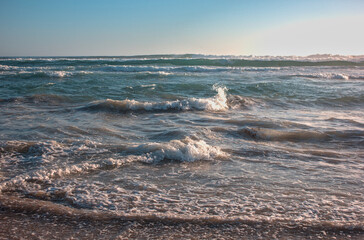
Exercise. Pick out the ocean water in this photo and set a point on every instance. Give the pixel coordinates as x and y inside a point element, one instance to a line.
<point>190,145</point>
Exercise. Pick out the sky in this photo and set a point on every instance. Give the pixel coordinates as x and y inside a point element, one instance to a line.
<point>220,27</point>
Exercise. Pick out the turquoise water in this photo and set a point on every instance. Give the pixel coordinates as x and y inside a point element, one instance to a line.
<point>212,139</point>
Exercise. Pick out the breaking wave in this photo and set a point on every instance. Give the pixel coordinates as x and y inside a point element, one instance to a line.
<point>220,102</point>
<point>184,150</point>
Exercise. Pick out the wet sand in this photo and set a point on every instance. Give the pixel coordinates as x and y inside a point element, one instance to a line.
<point>37,219</point>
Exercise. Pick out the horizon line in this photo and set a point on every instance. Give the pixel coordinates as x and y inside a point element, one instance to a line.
<point>183,54</point>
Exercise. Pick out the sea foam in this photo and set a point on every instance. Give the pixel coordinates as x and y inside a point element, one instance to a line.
<point>184,150</point>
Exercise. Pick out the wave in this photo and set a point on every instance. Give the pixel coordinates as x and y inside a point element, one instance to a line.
<point>43,73</point>
<point>49,99</point>
<point>184,150</point>
<point>52,153</point>
<point>339,76</point>
<point>220,102</point>
<point>346,121</point>
<point>45,150</point>
<point>40,71</point>
<point>298,135</point>
<point>238,63</point>
<point>167,69</point>
<point>196,60</point>
<point>33,148</point>
<point>46,175</point>
<point>143,69</point>
<point>340,101</point>
<point>188,149</point>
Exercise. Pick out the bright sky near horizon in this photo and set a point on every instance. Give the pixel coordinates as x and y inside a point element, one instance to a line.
<point>134,27</point>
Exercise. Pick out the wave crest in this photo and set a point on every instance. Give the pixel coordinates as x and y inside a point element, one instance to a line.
<point>298,135</point>
<point>335,76</point>
<point>185,150</point>
<point>220,102</point>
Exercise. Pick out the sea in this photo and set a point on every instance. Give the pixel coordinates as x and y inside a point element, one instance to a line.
<point>182,147</point>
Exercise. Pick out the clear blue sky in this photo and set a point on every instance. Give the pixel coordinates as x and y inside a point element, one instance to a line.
<point>132,27</point>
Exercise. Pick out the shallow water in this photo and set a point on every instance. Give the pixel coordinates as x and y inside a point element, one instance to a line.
<point>191,139</point>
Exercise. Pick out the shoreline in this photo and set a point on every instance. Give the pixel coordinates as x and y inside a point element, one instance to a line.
<point>44,219</point>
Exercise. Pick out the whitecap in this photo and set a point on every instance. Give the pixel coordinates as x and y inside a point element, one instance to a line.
<point>217,103</point>
<point>184,150</point>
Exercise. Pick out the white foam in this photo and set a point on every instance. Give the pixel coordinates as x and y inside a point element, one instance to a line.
<point>327,76</point>
<point>51,71</point>
<point>339,76</point>
<point>168,70</point>
<point>185,150</point>
<point>47,175</point>
<point>161,73</point>
<point>59,74</point>
<point>148,85</point>
<point>7,68</point>
<point>44,152</point>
